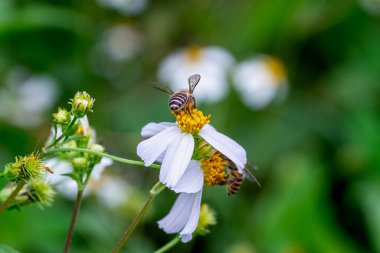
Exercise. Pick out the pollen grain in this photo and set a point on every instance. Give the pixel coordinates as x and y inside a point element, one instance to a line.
<point>191,121</point>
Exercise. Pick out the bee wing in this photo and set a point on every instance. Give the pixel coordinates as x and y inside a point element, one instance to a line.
<point>163,88</point>
<point>193,81</point>
<point>248,174</point>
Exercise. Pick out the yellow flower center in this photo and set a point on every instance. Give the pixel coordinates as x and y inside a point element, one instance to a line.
<point>191,121</point>
<point>277,68</point>
<point>193,54</point>
<point>214,170</point>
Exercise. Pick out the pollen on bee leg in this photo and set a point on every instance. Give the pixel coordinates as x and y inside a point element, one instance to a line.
<point>214,170</point>
<point>191,121</point>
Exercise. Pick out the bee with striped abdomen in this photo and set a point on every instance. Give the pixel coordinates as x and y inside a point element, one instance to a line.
<point>182,99</point>
<point>235,179</point>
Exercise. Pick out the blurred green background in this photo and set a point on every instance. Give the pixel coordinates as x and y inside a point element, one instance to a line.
<point>317,151</point>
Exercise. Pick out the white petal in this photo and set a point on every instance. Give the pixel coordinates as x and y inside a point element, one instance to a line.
<point>154,128</point>
<point>185,209</point>
<point>186,237</point>
<point>225,145</point>
<point>153,147</point>
<point>192,180</point>
<point>192,223</point>
<point>99,168</point>
<point>176,159</point>
<point>59,167</point>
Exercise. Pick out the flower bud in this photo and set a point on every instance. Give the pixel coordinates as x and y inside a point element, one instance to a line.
<point>25,168</point>
<point>95,158</point>
<point>41,193</point>
<point>36,191</point>
<point>79,165</point>
<point>62,117</point>
<point>81,104</point>
<point>207,217</point>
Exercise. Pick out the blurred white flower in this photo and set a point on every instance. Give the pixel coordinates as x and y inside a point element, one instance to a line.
<point>212,63</point>
<point>116,46</point>
<point>126,7</point>
<point>111,190</point>
<point>65,185</point>
<point>121,42</point>
<point>260,80</point>
<point>371,6</point>
<point>25,101</point>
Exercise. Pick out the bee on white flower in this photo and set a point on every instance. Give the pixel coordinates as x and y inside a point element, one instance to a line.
<point>193,154</point>
<point>260,81</point>
<point>212,63</point>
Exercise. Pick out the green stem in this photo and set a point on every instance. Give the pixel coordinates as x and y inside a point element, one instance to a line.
<point>74,216</point>
<point>18,188</point>
<point>157,188</point>
<point>169,245</point>
<point>64,134</point>
<point>115,158</point>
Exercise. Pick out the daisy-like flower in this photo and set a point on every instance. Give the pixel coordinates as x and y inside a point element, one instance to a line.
<point>212,63</point>
<point>177,141</point>
<point>260,80</point>
<point>176,144</point>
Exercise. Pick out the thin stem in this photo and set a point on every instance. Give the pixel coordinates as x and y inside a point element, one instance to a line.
<point>64,134</point>
<point>18,188</point>
<point>157,188</point>
<point>115,158</point>
<point>169,245</point>
<point>74,216</point>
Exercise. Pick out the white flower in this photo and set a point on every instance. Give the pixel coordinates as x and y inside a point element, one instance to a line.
<point>260,80</point>
<point>169,143</point>
<point>212,63</point>
<point>24,99</point>
<point>65,185</point>
<point>178,147</point>
<point>371,6</point>
<point>126,7</point>
<point>118,45</point>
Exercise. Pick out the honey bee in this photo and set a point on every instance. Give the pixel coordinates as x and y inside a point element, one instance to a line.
<point>182,99</point>
<point>235,179</point>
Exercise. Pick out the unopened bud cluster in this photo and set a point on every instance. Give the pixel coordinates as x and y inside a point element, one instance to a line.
<point>81,104</point>
<point>24,168</point>
<point>62,117</point>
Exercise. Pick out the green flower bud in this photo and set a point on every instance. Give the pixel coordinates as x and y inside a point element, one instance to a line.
<point>95,158</point>
<point>41,193</point>
<point>207,217</point>
<point>25,168</point>
<point>79,165</point>
<point>81,104</point>
<point>36,191</point>
<point>62,117</point>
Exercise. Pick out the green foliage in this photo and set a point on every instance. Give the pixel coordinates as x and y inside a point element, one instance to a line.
<point>317,151</point>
